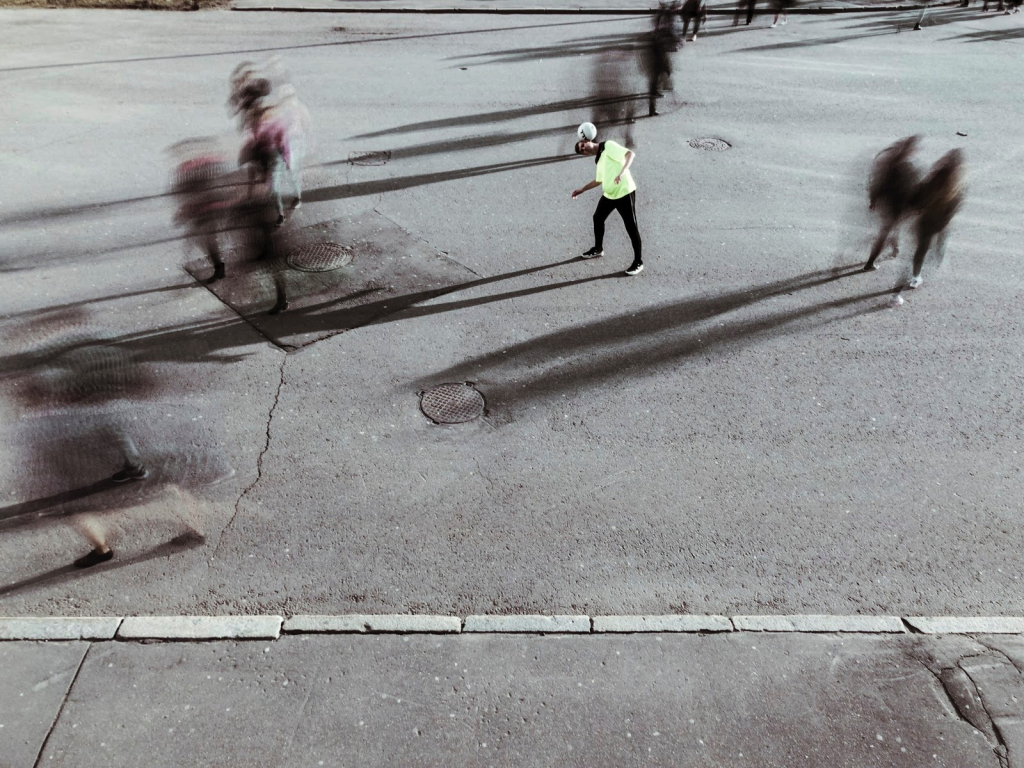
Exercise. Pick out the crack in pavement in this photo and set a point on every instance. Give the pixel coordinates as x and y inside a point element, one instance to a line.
<point>63,703</point>
<point>259,459</point>
<point>965,697</point>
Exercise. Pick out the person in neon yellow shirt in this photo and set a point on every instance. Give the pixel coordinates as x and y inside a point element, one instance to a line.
<point>616,182</point>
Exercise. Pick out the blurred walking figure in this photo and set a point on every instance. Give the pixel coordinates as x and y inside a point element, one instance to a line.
<point>781,6</point>
<point>615,92</point>
<point>656,52</point>
<point>697,12</point>
<point>267,153</point>
<point>893,184</point>
<point>78,396</point>
<point>748,5</point>
<point>938,199</point>
<point>618,194</point>
<point>203,184</point>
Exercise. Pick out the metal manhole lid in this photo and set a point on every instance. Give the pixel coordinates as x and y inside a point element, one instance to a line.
<point>710,144</point>
<point>319,257</point>
<point>452,403</point>
<point>369,158</point>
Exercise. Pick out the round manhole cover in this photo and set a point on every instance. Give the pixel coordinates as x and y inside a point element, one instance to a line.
<point>452,403</point>
<point>710,144</point>
<point>319,257</point>
<point>369,158</point>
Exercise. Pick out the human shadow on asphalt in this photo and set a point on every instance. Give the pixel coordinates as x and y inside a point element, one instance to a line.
<point>97,300</point>
<point>583,46</point>
<point>487,118</point>
<point>320,317</point>
<point>378,186</point>
<point>986,36</point>
<point>631,343</point>
<point>879,25</point>
<point>65,573</point>
<point>277,48</point>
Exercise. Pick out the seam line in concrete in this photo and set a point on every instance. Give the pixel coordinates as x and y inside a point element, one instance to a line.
<point>60,709</point>
<point>271,627</point>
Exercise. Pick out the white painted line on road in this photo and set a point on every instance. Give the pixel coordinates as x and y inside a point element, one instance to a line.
<point>967,625</point>
<point>386,623</point>
<point>528,624</point>
<point>60,628</point>
<point>200,628</point>
<point>810,623</point>
<point>678,623</point>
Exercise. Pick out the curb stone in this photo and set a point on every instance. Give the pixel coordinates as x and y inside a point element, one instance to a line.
<point>528,624</point>
<point>967,625</point>
<point>70,628</point>
<point>808,623</point>
<point>679,623</point>
<point>200,628</point>
<point>89,628</point>
<point>397,623</point>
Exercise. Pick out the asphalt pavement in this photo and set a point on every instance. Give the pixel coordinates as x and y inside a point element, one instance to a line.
<point>747,427</point>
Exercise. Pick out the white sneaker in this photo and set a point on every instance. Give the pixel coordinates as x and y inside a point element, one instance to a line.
<point>773,25</point>
<point>785,21</point>
<point>593,253</point>
<point>636,269</point>
<point>915,282</point>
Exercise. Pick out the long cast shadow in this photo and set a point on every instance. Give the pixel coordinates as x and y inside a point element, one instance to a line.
<point>272,49</point>
<point>606,348</point>
<point>378,186</point>
<point>486,118</point>
<point>65,573</point>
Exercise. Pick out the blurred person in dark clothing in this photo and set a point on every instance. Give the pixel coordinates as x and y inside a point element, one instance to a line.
<point>78,393</point>
<point>695,11</point>
<point>893,184</point>
<point>937,201</point>
<point>203,185</point>
<point>749,6</point>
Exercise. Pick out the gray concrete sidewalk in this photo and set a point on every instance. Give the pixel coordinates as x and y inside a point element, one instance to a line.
<point>653,700</point>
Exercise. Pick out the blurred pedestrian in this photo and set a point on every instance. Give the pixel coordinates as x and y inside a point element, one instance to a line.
<point>267,153</point>
<point>615,92</point>
<point>695,11</point>
<point>938,199</point>
<point>781,8</point>
<point>893,184</point>
<point>618,194</point>
<point>202,183</point>
<point>747,5</point>
<point>77,399</point>
<point>656,50</point>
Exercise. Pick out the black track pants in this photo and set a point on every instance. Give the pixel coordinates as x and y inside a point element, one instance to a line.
<point>626,206</point>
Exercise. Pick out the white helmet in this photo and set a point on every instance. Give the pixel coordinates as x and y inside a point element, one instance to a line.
<point>587,131</point>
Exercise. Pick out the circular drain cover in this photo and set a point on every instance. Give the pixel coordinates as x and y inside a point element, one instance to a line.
<point>319,257</point>
<point>452,403</point>
<point>710,144</point>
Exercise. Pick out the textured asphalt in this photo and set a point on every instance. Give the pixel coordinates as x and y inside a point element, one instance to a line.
<point>747,427</point>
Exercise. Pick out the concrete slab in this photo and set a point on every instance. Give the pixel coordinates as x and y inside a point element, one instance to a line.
<point>385,270</point>
<point>662,624</point>
<point>609,700</point>
<point>59,628</point>
<point>964,625</point>
<point>36,678</point>
<point>397,623</point>
<point>527,624</point>
<point>818,623</point>
<point>200,627</point>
